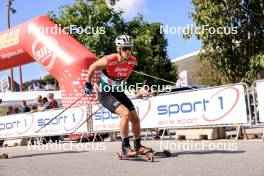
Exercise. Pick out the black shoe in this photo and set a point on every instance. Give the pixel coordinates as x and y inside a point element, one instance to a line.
<point>142,150</point>
<point>127,150</point>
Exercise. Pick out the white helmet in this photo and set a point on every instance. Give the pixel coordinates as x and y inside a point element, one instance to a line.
<point>124,40</point>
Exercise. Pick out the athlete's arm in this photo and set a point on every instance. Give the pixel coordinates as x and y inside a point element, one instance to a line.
<point>98,65</point>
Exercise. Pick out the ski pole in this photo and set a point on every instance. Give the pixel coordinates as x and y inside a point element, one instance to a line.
<point>86,119</point>
<point>158,78</point>
<point>61,113</point>
<point>154,77</point>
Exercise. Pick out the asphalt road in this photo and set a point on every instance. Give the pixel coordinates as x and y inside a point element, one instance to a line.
<point>218,157</point>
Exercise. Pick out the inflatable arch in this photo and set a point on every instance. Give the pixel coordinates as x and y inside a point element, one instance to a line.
<point>43,41</point>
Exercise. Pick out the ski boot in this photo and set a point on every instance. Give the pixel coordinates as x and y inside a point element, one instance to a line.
<point>128,151</point>
<point>126,148</point>
<point>140,149</point>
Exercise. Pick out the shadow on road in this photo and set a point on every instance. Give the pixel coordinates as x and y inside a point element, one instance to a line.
<point>42,154</point>
<point>208,152</point>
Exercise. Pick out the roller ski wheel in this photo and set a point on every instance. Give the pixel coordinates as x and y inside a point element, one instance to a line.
<point>121,156</point>
<point>147,157</point>
<point>5,156</point>
<point>166,153</point>
<point>150,156</point>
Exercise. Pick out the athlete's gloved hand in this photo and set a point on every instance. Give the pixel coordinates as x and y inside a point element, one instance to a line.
<point>88,88</point>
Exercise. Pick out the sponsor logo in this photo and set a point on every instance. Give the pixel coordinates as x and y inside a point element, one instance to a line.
<point>142,113</point>
<point>120,69</point>
<point>12,54</point>
<point>112,63</point>
<point>131,63</point>
<point>228,108</point>
<point>19,125</point>
<point>105,115</point>
<point>44,52</point>
<point>79,111</point>
<point>69,120</point>
<point>28,122</point>
<point>222,102</point>
<point>9,39</point>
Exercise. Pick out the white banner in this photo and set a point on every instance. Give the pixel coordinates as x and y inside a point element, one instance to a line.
<point>27,124</point>
<point>260,94</point>
<point>223,105</point>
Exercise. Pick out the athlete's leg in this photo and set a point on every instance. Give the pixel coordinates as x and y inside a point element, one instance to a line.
<point>123,112</point>
<point>135,121</point>
<point>140,149</point>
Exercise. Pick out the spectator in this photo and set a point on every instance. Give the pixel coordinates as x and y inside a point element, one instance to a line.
<point>39,102</point>
<point>34,108</point>
<point>10,110</point>
<point>44,104</point>
<point>16,110</point>
<point>24,107</point>
<point>45,100</point>
<point>144,91</point>
<point>52,102</point>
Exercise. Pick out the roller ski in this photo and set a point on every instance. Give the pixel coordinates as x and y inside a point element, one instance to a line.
<point>142,150</point>
<point>164,153</point>
<point>4,156</point>
<point>129,154</point>
<point>147,157</point>
<point>133,155</point>
<point>145,151</point>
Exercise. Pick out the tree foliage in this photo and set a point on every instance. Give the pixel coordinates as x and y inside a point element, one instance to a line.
<point>206,75</point>
<point>107,23</point>
<point>27,84</point>
<point>46,80</point>
<point>237,52</point>
<point>2,111</point>
<point>49,79</point>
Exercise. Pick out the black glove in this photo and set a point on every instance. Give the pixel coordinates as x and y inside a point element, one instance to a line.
<point>88,88</point>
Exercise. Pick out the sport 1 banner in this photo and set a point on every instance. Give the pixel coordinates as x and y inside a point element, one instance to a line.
<point>215,106</point>
<point>26,124</point>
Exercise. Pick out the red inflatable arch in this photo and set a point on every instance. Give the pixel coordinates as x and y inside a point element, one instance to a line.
<point>42,41</point>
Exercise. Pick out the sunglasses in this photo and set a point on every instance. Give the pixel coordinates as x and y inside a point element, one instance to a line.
<point>126,48</point>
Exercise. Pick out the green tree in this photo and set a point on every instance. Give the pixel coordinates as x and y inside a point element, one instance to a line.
<point>237,52</point>
<point>150,48</point>
<point>2,112</point>
<point>34,81</point>
<point>103,24</point>
<point>107,23</point>
<point>49,79</point>
<point>206,75</point>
